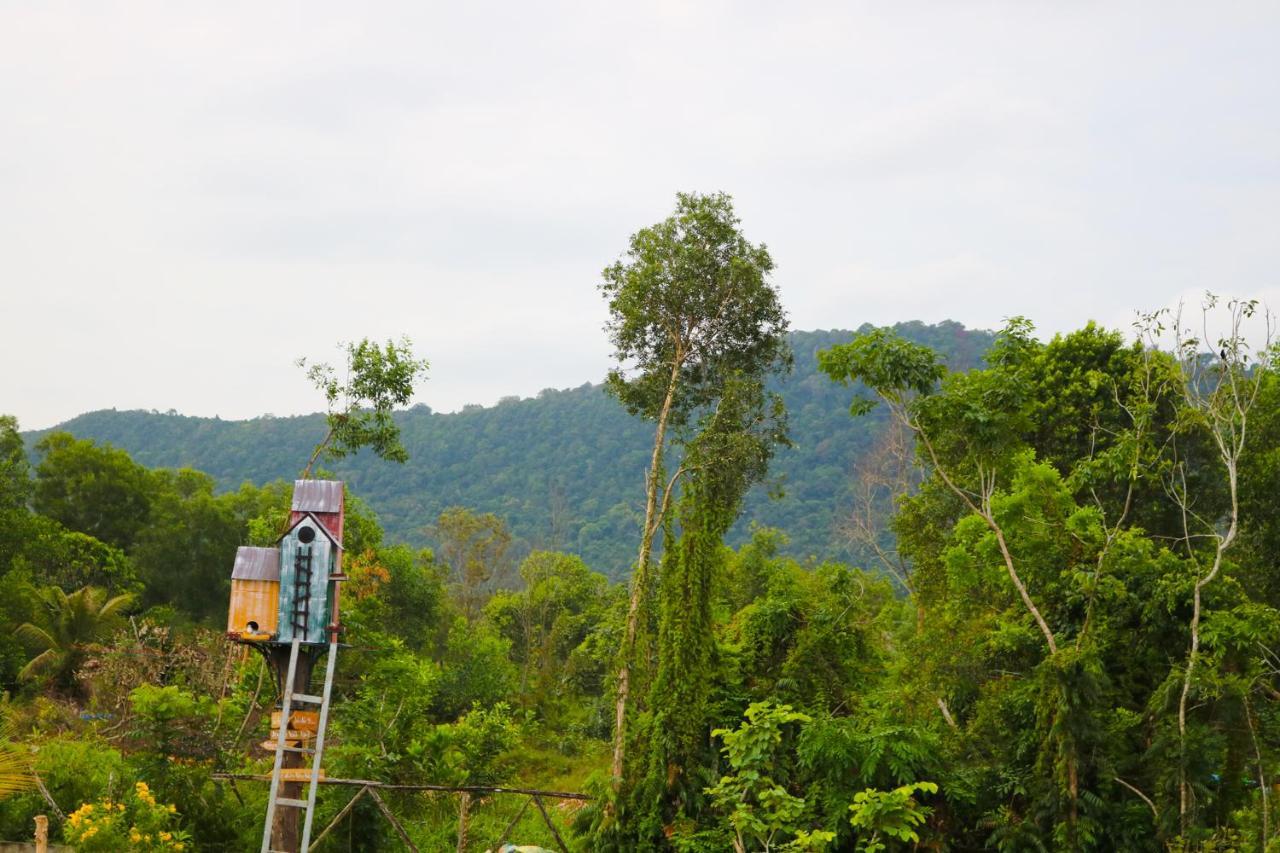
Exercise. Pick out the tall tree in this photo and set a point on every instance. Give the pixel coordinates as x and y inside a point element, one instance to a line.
<point>93,489</point>
<point>730,454</point>
<point>183,553</point>
<point>474,546</point>
<point>1218,395</point>
<point>690,306</point>
<point>15,473</point>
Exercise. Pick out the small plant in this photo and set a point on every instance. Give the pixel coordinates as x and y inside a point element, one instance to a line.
<point>890,814</point>
<point>760,809</point>
<point>138,822</point>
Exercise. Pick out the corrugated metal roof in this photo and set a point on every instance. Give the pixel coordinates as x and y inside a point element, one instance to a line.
<point>256,564</point>
<point>317,495</point>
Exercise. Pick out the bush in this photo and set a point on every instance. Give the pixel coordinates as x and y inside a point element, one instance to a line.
<point>136,822</point>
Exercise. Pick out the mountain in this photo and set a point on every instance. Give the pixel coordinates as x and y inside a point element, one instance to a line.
<point>565,469</point>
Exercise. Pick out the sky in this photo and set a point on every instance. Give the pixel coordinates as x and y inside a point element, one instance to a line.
<point>193,196</point>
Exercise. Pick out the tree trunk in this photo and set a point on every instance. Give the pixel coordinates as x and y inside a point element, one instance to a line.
<point>1224,542</point>
<point>640,582</point>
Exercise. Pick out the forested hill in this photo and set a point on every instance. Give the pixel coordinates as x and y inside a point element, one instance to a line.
<point>564,469</point>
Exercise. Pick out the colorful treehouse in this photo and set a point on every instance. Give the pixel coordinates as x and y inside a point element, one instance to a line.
<point>291,590</point>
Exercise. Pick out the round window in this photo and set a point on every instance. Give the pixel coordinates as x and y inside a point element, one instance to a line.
<point>306,534</point>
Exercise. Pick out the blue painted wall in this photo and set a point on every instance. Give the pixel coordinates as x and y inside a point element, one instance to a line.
<point>323,558</point>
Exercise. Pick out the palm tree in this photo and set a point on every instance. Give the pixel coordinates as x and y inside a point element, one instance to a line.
<point>63,628</point>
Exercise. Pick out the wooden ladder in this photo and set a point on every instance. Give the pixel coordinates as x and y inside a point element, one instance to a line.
<point>274,799</point>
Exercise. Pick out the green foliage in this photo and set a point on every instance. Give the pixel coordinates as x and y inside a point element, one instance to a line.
<point>15,764</point>
<point>183,553</point>
<point>758,808</point>
<point>484,738</point>
<point>64,627</point>
<point>477,669</point>
<point>395,591</point>
<point>730,452</point>
<point>377,378</point>
<point>74,769</point>
<point>374,739</point>
<point>885,362</point>
<point>71,560</point>
<point>136,821</point>
<point>474,547</point>
<point>691,307</point>
<point>559,469</point>
<point>15,471</point>
<point>95,490</point>
<point>894,815</point>
<point>166,716</point>
<point>853,692</point>
<point>547,624</point>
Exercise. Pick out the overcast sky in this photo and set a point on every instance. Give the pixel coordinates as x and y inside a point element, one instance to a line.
<point>194,195</point>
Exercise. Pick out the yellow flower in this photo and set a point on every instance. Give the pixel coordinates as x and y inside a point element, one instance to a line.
<point>135,836</point>
<point>173,809</point>
<point>179,846</point>
<point>165,836</point>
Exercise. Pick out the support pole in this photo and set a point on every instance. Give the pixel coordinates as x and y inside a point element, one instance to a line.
<point>506,833</point>
<point>537,801</point>
<point>386,812</point>
<point>464,821</point>
<point>346,810</point>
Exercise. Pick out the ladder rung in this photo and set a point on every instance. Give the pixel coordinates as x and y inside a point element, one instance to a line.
<point>307,697</point>
<point>286,801</point>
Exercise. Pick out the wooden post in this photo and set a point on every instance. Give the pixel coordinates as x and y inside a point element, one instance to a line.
<point>48,798</point>
<point>386,812</point>
<point>464,821</point>
<point>345,811</point>
<point>506,833</point>
<point>42,834</point>
<point>537,801</point>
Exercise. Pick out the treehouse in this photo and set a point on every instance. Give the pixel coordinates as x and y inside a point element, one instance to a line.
<point>291,590</point>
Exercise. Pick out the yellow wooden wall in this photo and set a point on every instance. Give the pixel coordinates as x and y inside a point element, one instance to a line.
<point>256,600</point>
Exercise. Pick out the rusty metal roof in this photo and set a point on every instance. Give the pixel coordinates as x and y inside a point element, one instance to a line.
<point>317,496</point>
<point>256,564</point>
<point>328,534</point>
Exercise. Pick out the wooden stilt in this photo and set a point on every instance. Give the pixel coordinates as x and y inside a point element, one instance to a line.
<point>464,820</point>
<point>506,833</point>
<point>537,801</point>
<point>386,812</point>
<point>346,810</point>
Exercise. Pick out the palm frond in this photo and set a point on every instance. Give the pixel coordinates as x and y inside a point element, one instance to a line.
<point>116,606</point>
<point>36,636</point>
<point>42,662</point>
<point>15,764</point>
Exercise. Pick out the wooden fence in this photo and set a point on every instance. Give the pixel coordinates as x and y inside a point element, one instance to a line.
<point>370,789</point>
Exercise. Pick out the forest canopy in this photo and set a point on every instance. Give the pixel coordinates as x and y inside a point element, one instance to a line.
<point>1063,634</point>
